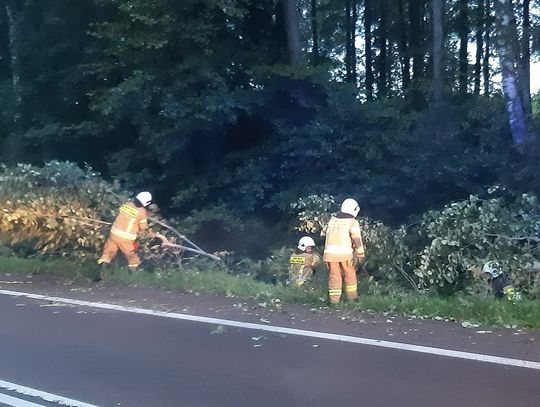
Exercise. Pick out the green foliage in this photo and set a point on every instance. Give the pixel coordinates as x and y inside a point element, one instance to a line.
<point>55,209</point>
<point>465,235</point>
<point>61,210</point>
<point>446,250</point>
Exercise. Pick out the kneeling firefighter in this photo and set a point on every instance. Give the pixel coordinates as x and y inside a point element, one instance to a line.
<point>500,284</point>
<point>131,219</point>
<point>302,262</point>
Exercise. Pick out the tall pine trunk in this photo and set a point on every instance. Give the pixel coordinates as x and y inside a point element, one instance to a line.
<point>463,29</point>
<point>415,37</point>
<point>487,47</point>
<point>480,26</point>
<point>507,41</point>
<point>525,65</point>
<point>13,21</point>
<point>369,51</point>
<point>437,19</point>
<point>314,33</point>
<point>354,21</point>
<point>382,63</point>
<point>403,47</point>
<point>348,51</point>
<point>290,16</point>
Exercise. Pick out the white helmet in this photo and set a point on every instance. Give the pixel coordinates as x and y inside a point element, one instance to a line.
<point>350,206</point>
<point>145,198</point>
<point>493,268</point>
<point>305,242</point>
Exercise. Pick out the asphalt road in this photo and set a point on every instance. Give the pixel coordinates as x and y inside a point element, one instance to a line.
<point>109,358</point>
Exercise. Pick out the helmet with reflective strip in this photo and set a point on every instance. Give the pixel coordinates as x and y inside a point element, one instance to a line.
<point>350,206</point>
<point>305,242</point>
<point>493,268</point>
<point>145,198</point>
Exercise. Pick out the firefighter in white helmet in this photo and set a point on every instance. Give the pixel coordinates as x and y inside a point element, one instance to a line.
<point>131,219</point>
<point>343,242</point>
<point>302,262</point>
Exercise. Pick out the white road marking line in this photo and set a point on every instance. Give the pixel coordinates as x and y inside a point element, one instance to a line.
<point>28,391</point>
<point>478,357</point>
<point>15,402</point>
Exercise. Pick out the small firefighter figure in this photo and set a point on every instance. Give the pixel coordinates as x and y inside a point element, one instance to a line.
<point>500,284</point>
<point>131,219</point>
<point>302,262</point>
<point>343,241</point>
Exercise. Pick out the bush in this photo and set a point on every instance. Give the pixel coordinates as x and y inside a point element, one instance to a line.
<point>58,209</point>
<point>464,235</point>
<point>446,250</point>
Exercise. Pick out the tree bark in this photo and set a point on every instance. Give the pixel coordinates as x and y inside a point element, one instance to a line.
<point>480,26</point>
<point>487,46</point>
<point>525,65</point>
<point>437,13</point>
<point>506,45</point>
<point>314,33</point>
<point>354,21</point>
<point>382,63</point>
<point>369,51</point>
<point>348,51</point>
<point>463,28</point>
<point>290,15</point>
<point>403,47</point>
<point>13,21</point>
<point>415,20</point>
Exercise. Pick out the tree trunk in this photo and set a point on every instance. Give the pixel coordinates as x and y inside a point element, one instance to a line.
<point>437,11</point>
<point>354,21</point>
<point>13,21</point>
<point>463,29</point>
<point>479,46</point>
<point>506,44</point>
<point>369,52</point>
<point>348,51</point>
<point>487,46</point>
<point>382,63</point>
<point>525,66</point>
<point>415,19</point>
<point>403,47</point>
<point>290,15</point>
<point>315,33</point>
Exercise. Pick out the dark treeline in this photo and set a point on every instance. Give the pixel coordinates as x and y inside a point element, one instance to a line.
<point>230,110</point>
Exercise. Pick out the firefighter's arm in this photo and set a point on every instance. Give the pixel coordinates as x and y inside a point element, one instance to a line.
<point>358,244</point>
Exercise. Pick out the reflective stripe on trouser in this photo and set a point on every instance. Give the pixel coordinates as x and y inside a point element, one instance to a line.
<point>127,247</point>
<point>340,271</point>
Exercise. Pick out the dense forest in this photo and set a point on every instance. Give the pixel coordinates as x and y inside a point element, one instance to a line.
<point>232,110</point>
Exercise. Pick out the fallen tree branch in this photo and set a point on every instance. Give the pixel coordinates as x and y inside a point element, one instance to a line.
<point>530,238</point>
<point>165,242</point>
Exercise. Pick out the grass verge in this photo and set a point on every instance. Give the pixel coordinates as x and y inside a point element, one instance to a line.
<point>474,310</point>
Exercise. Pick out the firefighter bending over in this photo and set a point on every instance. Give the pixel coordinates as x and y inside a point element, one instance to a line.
<point>131,219</point>
<point>302,262</point>
<point>343,241</point>
<point>501,285</point>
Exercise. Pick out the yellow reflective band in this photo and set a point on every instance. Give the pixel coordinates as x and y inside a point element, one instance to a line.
<point>297,260</point>
<point>123,235</point>
<point>128,210</point>
<point>101,261</point>
<point>143,221</point>
<point>335,291</point>
<point>133,266</point>
<point>350,288</point>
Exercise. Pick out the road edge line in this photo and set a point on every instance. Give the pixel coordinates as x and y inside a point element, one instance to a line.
<point>478,357</point>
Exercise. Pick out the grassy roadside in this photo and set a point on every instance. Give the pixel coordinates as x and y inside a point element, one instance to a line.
<point>473,310</point>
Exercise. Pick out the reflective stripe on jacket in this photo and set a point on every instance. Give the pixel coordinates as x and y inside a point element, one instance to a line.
<point>342,238</point>
<point>129,221</point>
